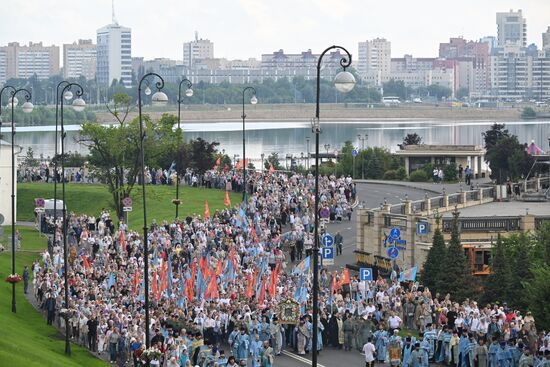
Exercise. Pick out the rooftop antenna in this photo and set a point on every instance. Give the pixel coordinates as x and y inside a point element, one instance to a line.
<point>196,35</point>
<point>113,12</point>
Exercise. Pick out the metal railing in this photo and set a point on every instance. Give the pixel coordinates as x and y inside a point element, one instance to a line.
<point>394,220</point>
<point>541,221</point>
<point>484,224</point>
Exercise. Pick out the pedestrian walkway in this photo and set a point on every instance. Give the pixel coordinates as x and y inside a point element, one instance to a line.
<point>449,187</point>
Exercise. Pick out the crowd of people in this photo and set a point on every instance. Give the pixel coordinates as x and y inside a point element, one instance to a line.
<point>217,283</point>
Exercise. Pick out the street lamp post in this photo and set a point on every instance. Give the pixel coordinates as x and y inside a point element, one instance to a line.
<point>188,93</point>
<point>61,84</point>
<point>253,100</point>
<point>344,82</point>
<point>308,155</point>
<point>362,140</point>
<point>78,105</point>
<point>159,98</point>
<point>27,107</point>
<point>262,155</point>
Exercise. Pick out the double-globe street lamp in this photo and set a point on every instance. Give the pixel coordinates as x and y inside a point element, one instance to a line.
<point>159,98</point>
<point>344,82</point>
<point>253,100</point>
<point>78,106</point>
<point>188,93</point>
<point>27,107</point>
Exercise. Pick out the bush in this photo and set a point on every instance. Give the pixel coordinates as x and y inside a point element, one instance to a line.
<point>528,113</point>
<point>428,169</point>
<point>401,173</point>
<point>390,175</point>
<point>418,176</point>
<point>450,172</point>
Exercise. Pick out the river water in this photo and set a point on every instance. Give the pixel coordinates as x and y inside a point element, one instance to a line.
<point>291,137</point>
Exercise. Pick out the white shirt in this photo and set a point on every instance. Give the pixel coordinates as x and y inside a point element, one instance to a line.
<point>368,350</point>
<point>394,322</point>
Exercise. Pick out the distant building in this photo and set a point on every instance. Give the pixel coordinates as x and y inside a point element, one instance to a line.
<point>281,65</point>
<point>471,64</point>
<point>114,55</point>
<point>374,60</point>
<point>197,50</point>
<point>80,59</point>
<point>408,63</point>
<point>511,28</point>
<point>18,61</point>
<point>546,39</point>
<point>520,73</point>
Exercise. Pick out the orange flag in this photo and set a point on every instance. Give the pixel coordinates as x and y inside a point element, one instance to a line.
<point>250,287</point>
<point>85,262</point>
<point>273,281</point>
<point>154,285</point>
<point>334,284</point>
<point>123,241</point>
<point>271,169</point>
<point>262,292</point>
<point>219,270</point>
<point>345,277</point>
<point>254,236</point>
<point>206,210</point>
<point>136,282</point>
<point>226,200</point>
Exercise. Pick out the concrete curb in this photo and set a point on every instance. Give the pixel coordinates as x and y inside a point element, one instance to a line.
<point>399,183</point>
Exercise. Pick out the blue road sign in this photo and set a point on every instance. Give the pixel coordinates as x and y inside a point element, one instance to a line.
<point>327,255</point>
<point>365,274</point>
<point>324,213</point>
<point>395,233</point>
<point>393,252</point>
<point>354,153</point>
<point>422,228</point>
<point>328,240</point>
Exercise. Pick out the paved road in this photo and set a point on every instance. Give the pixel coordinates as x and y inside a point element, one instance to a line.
<point>373,194</point>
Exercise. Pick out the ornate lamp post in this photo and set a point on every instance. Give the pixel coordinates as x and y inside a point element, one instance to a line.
<point>78,105</point>
<point>188,93</point>
<point>344,82</point>
<point>253,100</point>
<point>27,107</point>
<point>159,98</point>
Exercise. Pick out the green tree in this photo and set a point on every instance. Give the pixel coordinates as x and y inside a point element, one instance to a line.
<point>537,294</point>
<point>542,237</point>
<point>273,159</point>
<point>506,159</point>
<point>410,139</point>
<point>439,91</point>
<point>462,93</point>
<point>495,289</point>
<point>450,172</point>
<point>29,160</point>
<point>457,278</point>
<point>491,136</point>
<point>433,267</point>
<point>396,88</point>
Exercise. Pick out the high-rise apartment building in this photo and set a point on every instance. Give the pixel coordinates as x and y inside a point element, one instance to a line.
<point>114,54</point>
<point>546,40</point>
<point>374,58</point>
<point>80,59</point>
<point>511,28</point>
<point>197,50</point>
<point>18,61</point>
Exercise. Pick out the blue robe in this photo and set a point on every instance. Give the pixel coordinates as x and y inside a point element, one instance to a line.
<point>381,344</point>
<point>462,346</point>
<point>243,346</point>
<point>265,331</point>
<point>255,349</point>
<point>503,357</point>
<point>320,329</point>
<point>492,354</point>
<point>425,348</point>
<point>234,343</point>
<point>407,355</point>
<point>444,351</point>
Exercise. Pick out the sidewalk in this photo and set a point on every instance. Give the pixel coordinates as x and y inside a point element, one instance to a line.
<point>428,186</point>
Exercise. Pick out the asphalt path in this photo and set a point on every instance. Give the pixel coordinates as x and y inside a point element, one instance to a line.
<point>373,195</point>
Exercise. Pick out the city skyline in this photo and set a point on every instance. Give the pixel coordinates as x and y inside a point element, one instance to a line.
<point>267,27</point>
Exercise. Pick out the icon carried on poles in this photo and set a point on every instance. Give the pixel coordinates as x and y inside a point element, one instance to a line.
<point>328,240</point>
<point>324,213</point>
<point>393,252</point>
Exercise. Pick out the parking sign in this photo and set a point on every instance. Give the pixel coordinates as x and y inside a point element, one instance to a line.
<point>327,254</point>
<point>365,274</point>
<point>422,228</point>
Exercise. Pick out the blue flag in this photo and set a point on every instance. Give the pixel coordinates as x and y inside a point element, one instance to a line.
<point>111,281</point>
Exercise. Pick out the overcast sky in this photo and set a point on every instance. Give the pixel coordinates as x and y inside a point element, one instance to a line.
<point>248,28</point>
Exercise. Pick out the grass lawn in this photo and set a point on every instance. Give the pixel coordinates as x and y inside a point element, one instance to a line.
<point>25,339</point>
<point>90,199</point>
